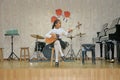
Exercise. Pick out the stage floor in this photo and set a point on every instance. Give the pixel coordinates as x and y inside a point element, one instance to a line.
<point>71,70</point>
<point>67,64</point>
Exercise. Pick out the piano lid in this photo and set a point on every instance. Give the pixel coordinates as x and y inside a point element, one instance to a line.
<point>112,28</point>
<point>115,22</point>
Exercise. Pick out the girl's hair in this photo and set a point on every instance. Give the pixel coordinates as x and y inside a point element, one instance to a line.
<point>55,22</point>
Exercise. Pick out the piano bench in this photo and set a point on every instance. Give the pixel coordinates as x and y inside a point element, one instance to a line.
<point>88,47</point>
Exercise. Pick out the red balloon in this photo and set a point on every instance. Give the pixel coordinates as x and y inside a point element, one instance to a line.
<point>58,12</point>
<point>67,14</point>
<point>53,18</point>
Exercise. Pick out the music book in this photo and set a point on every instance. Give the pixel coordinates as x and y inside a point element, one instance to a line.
<point>11,32</point>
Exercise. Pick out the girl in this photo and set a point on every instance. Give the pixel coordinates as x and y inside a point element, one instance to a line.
<point>57,32</point>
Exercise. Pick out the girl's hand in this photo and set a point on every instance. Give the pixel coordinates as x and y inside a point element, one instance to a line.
<point>53,35</point>
<point>70,30</point>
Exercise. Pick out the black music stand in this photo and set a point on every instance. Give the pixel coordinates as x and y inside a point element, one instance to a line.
<point>12,53</point>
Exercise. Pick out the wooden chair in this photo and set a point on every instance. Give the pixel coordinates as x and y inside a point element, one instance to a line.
<point>24,53</point>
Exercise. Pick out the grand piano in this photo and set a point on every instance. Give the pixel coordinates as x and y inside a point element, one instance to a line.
<point>109,36</point>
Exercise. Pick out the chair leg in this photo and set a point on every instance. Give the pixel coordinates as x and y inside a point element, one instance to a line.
<point>1,54</point>
<point>28,53</point>
<point>21,55</point>
<point>52,54</point>
<point>93,56</point>
<point>83,56</point>
<point>24,55</point>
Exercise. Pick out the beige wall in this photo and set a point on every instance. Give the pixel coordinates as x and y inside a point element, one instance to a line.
<point>33,17</point>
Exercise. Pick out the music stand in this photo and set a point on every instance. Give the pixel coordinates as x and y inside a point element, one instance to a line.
<point>12,33</point>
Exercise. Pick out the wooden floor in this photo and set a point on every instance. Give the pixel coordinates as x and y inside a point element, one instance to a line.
<point>70,70</point>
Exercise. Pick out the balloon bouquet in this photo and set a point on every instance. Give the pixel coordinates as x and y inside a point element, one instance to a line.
<point>59,12</point>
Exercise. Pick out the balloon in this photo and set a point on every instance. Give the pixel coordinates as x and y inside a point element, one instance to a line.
<point>53,18</point>
<point>66,15</point>
<point>58,12</point>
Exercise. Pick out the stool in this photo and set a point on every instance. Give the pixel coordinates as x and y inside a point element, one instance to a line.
<point>88,47</point>
<point>26,53</point>
<point>1,54</point>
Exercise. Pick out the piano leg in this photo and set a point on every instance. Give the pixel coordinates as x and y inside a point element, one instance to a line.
<point>101,49</point>
<point>118,51</point>
<point>109,46</point>
<point>106,48</point>
<point>112,50</point>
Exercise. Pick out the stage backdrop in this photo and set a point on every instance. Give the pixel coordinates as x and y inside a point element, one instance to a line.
<point>34,17</point>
